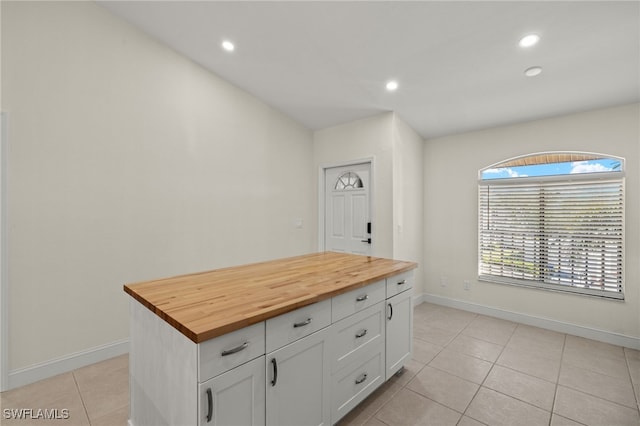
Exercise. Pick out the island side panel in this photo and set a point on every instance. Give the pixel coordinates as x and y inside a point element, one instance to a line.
<point>163,372</point>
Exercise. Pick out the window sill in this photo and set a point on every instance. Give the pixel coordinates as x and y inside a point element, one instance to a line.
<point>608,295</point>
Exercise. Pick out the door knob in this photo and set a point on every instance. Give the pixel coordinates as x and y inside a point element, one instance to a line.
<point>368,241</point>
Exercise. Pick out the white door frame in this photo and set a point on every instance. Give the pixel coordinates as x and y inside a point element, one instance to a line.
<point>321,196</point>
<point>4,283</point>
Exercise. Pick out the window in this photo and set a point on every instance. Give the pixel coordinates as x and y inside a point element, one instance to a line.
<point>348,180</point>
<point>554,221</point>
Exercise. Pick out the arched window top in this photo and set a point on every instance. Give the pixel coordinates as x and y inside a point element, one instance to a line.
<point>348,180</point>
<point>554,221</point>
<point>552,164</point>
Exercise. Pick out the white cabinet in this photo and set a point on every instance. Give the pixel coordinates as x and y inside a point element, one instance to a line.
<point>215,356</point>
<point>231,377</point>
<point>399,283</point>
<point>294,325</point>
<point>298,381</point>
<point>355,335</point>
<point>170,375</point>
<point>357,300</point>
<point>399,332</point>
<point>357,360</point>
<point>309,366</point>
<point>236,397</point>
<point>354,383</point>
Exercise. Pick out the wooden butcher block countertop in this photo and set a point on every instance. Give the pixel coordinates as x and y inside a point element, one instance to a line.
<point>208,304</point>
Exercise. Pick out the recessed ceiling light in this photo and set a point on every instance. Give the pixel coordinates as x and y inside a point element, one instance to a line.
<point>392,85</point>
<point>529,40</point>
<point>532,71</point>
<point>228,46</point>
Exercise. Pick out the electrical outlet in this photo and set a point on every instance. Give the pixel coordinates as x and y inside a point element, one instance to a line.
<point>467,285</point>
<point>443,281</point>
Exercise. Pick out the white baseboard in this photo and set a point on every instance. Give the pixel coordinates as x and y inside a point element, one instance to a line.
<point>418,299</point>
<point>34,373</point>
<point>546,323</point>
<point>44,370</point>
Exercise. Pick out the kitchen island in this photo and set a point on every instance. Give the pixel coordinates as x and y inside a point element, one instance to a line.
<point>299,340</point>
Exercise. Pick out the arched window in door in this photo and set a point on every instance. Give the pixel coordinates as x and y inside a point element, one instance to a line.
<point>348,180</point>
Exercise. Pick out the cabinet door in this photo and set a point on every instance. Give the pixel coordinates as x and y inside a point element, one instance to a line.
<point>298,381</point>
<point>399,332</point>
<point>235,397</point>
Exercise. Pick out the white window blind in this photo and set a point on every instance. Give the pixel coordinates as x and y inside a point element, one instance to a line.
<point>557,233</point>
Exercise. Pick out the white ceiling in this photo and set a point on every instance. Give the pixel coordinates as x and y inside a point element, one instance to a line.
<point>458,63</point>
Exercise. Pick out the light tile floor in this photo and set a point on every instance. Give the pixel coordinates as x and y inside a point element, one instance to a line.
<point>470,370</point>
<point>467,370</point>
<point>96,395</point>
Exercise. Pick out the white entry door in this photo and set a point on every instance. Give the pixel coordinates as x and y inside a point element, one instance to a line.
<point>348,209</point>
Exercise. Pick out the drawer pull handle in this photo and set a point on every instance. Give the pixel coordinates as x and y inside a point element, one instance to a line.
<point>361,379</point>
<point>209,405</point>
<point>362,298</point>
<point>236,349</point>
<point>302,324</point>
<point>402,282</point>
<point>275,372</point>
<point>361,333</point>
<point>390,312</point>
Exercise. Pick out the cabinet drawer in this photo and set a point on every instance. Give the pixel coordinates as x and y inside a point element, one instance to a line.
<point>353,385</point>
<point>297,324</point>
<point>399,283</point>
<point>356,335</point>
<point>230,350</point>
<point>356,300</point>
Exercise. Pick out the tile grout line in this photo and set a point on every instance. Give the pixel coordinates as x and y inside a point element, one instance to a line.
<point>493,364</point>
<point>555,392</point>
<point>633,388</point>
<point>447,345</point>
<point>578,389</point>
<point>81,398</point>
<point>463,414</point>
<point>439,352</point>
<point>457,334</point>
<point>373,415</point>
<point>425,365</point>
<point>556,382</point>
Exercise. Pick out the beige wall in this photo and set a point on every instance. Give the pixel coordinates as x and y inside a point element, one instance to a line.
<point>367,138</point>
<point>128,162</point>
<point>450,169</point>
<point>397,151</point>
<point>408,193</point>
